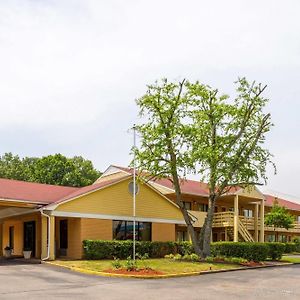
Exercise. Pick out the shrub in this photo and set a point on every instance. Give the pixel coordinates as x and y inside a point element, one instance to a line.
<point>210,259</point>
<point>275,250</point>
<point>98,249</point>
<point>191,257</point>
<point>131,265</point>
<point>169,256</point>
<point>236,260</point>
<point>177,256</point>
<point>249,251</point>
<point>290,247</point>
<point>116,264</point>
<point>184,248</point>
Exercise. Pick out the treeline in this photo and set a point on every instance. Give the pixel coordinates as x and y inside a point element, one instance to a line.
<point>54,169</point>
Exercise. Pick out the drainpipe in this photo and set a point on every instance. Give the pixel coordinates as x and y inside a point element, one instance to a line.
<point>48,245</point>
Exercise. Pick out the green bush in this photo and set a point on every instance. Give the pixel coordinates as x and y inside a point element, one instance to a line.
<point>290,247</point>
<point>131,265</point>
<point>185,248</point>
<point>98,249</point>
<point>249,251</point>
<point>275,250</point>
<point>116,264</point>
<point>191,257</point>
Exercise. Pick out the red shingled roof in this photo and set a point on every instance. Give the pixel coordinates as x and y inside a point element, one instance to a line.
<point>32,192</point>
<point>187,186</point>
<point>282,202</point>
<point>201,189</point>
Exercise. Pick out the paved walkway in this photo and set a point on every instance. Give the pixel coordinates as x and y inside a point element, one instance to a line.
<point>48,282</point>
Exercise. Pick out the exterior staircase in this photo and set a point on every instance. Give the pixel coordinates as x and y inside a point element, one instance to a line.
<point>226,219</point>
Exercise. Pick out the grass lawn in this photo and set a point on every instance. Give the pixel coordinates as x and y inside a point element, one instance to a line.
<point>164,265</point>
<point>291,258</point>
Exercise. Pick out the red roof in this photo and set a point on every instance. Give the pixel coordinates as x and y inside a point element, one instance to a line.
<point>282,202</point>
<point>32,192</point>
<point>201,189</point>
<point>187,186</point>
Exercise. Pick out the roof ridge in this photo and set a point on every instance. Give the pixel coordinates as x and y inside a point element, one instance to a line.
<point>39,183</point>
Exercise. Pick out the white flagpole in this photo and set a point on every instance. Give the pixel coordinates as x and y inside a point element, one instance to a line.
<point>134,189</point>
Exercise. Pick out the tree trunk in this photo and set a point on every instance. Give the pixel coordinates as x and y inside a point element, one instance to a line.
<point>191,231</point>
<point>206,231</point>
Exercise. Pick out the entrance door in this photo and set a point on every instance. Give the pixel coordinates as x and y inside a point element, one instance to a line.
<point>29,237</point>
<point>63,237</point>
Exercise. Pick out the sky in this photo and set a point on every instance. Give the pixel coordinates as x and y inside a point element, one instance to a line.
<point>70,71</point>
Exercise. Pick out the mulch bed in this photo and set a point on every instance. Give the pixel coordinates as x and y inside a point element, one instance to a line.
<point>252,264</point>
<point>143,272</point>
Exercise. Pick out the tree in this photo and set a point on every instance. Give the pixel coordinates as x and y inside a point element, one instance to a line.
<point>189,127</point>
<point>280,217</point>
<point>52,169</point>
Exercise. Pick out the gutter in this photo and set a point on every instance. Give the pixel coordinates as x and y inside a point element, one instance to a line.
<point>48,244</point>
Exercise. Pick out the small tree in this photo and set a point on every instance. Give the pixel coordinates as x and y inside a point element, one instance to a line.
<point>190,127</point>
<point>279,217</point>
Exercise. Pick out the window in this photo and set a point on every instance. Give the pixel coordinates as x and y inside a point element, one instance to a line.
<point>187,205</point>
<point>11,237</point>
<point>298,219</point>
<point>123,230</point>
<point>271,237</point>
<point>182,236</point>
<point>203,207</point>
<point>248,213</point>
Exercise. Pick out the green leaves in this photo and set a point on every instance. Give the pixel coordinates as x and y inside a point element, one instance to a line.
<point>52,169</point>
<point>189,124</point>
<point>280,217</point>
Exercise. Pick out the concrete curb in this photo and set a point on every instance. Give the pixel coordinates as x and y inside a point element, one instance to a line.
<point>105,274</point>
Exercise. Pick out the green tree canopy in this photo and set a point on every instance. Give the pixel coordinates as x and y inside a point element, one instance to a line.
<point>280,217</point>
<point>52,169</point>
<point>190,127</point>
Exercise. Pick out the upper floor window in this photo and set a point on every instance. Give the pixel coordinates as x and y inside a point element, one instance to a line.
<point>203,207</point>
<point>248,213</point>
<point>187,205</point>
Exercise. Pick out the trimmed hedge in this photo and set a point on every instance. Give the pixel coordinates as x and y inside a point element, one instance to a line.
<point>98,249</point>
<point>249,251</point>
<point>276,250</point>
<point>291,247</point>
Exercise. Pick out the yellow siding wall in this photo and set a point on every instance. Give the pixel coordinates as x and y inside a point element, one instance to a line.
<point>74,238</point>
<point>18,224</point>
<point>163,232</point>
<point>96,229</point>
<point>116,200</point>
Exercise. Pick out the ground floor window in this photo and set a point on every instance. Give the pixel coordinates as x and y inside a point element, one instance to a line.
<point>182,236</point>
<point>271,238</point>
<point>123,230</point>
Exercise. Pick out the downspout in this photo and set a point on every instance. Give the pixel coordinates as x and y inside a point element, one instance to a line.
<point>48,244</point>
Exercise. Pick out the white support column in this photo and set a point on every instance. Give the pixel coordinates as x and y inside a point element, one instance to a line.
<point>236,219</point>
<point>262,221</point>
<point>256,222</point>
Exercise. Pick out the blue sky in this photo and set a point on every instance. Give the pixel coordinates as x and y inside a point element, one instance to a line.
<point>70,70</point>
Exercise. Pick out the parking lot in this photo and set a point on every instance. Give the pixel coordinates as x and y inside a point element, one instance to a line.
<point>41,281</point>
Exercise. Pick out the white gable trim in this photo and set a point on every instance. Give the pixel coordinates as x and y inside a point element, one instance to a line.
<point>113,217</point>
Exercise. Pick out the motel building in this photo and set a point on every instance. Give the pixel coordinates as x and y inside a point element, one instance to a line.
<point>52,221</point>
